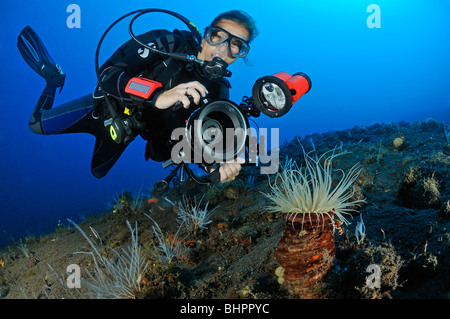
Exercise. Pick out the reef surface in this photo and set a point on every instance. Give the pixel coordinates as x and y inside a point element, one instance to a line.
<point>405,181</point>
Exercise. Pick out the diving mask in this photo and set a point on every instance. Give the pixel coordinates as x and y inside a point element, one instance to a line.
<point>238,47</point>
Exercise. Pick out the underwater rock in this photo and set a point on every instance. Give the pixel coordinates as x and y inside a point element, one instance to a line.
<point>305,253</point>
<point>232,193</point>
<point>446,149</point>
<point>415,192</point>
<point>429,125</point>
<point>372,272</point>
<point>445,210</point>
<point>4,287</point>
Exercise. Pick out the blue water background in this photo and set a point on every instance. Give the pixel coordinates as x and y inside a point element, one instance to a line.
<point>361,76</point>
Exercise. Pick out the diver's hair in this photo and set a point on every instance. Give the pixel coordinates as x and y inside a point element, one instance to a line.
<point>240,17</point>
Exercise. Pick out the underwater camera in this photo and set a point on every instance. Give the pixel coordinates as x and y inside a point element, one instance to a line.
<point>218,131</point>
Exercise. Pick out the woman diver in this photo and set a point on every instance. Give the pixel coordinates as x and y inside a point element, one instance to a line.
<point>152,116</point>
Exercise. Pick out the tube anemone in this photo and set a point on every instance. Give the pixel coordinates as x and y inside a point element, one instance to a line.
<point>306,251</point>
<point>308,190</point>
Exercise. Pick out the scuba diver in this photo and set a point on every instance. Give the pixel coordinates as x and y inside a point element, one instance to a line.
<point>176,87</point>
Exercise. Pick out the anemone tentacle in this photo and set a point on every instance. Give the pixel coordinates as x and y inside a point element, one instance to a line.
<point>308,190</point>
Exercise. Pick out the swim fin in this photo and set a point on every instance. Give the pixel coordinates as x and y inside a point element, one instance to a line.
<point>37,57</point>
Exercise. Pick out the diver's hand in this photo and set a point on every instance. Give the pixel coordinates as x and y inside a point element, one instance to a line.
<point>229,170</point>
<point>180,93</point>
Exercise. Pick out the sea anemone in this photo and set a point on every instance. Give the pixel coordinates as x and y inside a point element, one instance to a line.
<point>306,251</point>
<point>192,216</point>
<point>308,191</point>
<point>119,277</point>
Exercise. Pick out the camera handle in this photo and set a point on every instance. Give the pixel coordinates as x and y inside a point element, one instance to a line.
<point>163,185</point>
<point>179,105</point>
<point>247,107</point>
<point>208,179</point>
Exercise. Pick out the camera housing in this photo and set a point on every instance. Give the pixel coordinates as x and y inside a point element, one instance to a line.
<point>217,132</point>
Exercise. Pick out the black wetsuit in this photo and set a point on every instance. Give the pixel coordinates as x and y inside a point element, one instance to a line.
<point>88,115</point>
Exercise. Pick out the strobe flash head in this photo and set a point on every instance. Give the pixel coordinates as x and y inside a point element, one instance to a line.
<point>275,94</point>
